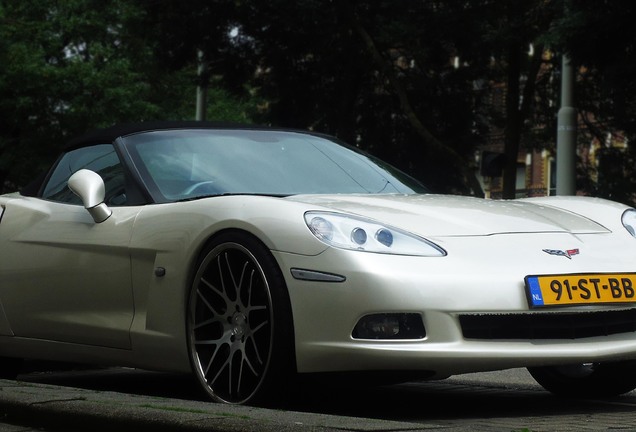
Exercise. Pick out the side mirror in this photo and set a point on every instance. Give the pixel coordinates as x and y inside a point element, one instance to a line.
<point>89,186</point>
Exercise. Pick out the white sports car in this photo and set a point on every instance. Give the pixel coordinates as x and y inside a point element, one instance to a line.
<point>250,255</point>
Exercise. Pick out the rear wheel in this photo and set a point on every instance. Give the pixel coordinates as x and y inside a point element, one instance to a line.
<point>239,322</point>
<point>587,380</point>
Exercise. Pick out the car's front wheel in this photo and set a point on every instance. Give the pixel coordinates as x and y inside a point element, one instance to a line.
<point>587,380</point>
<point>239,322</point>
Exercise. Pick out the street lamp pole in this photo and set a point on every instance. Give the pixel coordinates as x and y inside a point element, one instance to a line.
<point>566,133</point>
<point>202,88</point>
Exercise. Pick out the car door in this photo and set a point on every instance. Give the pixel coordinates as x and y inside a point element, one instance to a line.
<point>64,277</point>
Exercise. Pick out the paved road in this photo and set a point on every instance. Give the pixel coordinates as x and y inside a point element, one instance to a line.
<point>127,399</point>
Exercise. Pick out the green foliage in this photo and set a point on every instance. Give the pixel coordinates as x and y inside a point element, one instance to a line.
<point>72,66</point>
<point>379,74</point>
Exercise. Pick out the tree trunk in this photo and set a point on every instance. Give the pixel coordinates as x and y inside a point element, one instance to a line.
<point>512,130</point>
<point>3,177</point>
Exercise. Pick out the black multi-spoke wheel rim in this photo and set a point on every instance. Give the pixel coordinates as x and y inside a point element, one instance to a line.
<point>230,323</point>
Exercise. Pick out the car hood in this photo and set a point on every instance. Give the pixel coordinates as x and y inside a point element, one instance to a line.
<point>445,215</point>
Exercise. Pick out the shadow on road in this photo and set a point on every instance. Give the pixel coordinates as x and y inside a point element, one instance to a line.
<point>432,400</point>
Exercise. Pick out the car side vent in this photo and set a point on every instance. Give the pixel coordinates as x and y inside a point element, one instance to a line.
<point>572,325</point>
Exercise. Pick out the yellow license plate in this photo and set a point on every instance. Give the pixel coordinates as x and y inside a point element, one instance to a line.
<point>576,289</point>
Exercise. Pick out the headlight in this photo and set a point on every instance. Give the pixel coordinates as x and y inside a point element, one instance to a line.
<point>629,221</point>
<point>350,232</point>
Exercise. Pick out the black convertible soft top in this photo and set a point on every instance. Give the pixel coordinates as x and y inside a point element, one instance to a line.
<point>110,134</point>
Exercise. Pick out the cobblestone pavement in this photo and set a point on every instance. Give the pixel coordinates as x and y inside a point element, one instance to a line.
<point>125,399</point>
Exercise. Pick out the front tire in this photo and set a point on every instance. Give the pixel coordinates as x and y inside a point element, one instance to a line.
<point>239,323</point>
<point>587,380</point>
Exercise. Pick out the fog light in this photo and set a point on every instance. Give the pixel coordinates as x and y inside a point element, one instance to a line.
<point>390,326</point>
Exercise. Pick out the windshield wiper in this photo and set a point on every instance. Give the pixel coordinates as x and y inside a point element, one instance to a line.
<point>198,197</point>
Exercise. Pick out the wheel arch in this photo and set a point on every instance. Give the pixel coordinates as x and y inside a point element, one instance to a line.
<point>200,254</point>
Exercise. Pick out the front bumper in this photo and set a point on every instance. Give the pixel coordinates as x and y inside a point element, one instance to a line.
<point>480,277</point>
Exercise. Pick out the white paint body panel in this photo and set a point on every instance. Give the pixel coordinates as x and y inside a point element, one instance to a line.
<point>74,290</point>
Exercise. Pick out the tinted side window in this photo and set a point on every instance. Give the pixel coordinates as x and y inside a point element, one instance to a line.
<point>99,158</point>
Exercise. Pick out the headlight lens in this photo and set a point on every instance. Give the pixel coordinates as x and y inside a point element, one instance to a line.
<point>629,221</point>
<point>355,233</point>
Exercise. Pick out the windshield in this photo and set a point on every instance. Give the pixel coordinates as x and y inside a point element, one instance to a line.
<point>187,164</point>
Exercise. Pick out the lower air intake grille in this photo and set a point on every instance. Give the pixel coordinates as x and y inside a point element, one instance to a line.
<point>571,325</point>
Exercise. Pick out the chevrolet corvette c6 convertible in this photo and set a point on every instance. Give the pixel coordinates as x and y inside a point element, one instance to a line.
<point>248,256</point>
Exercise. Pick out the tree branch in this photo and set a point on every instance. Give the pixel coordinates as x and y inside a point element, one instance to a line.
<point>428,138</point>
